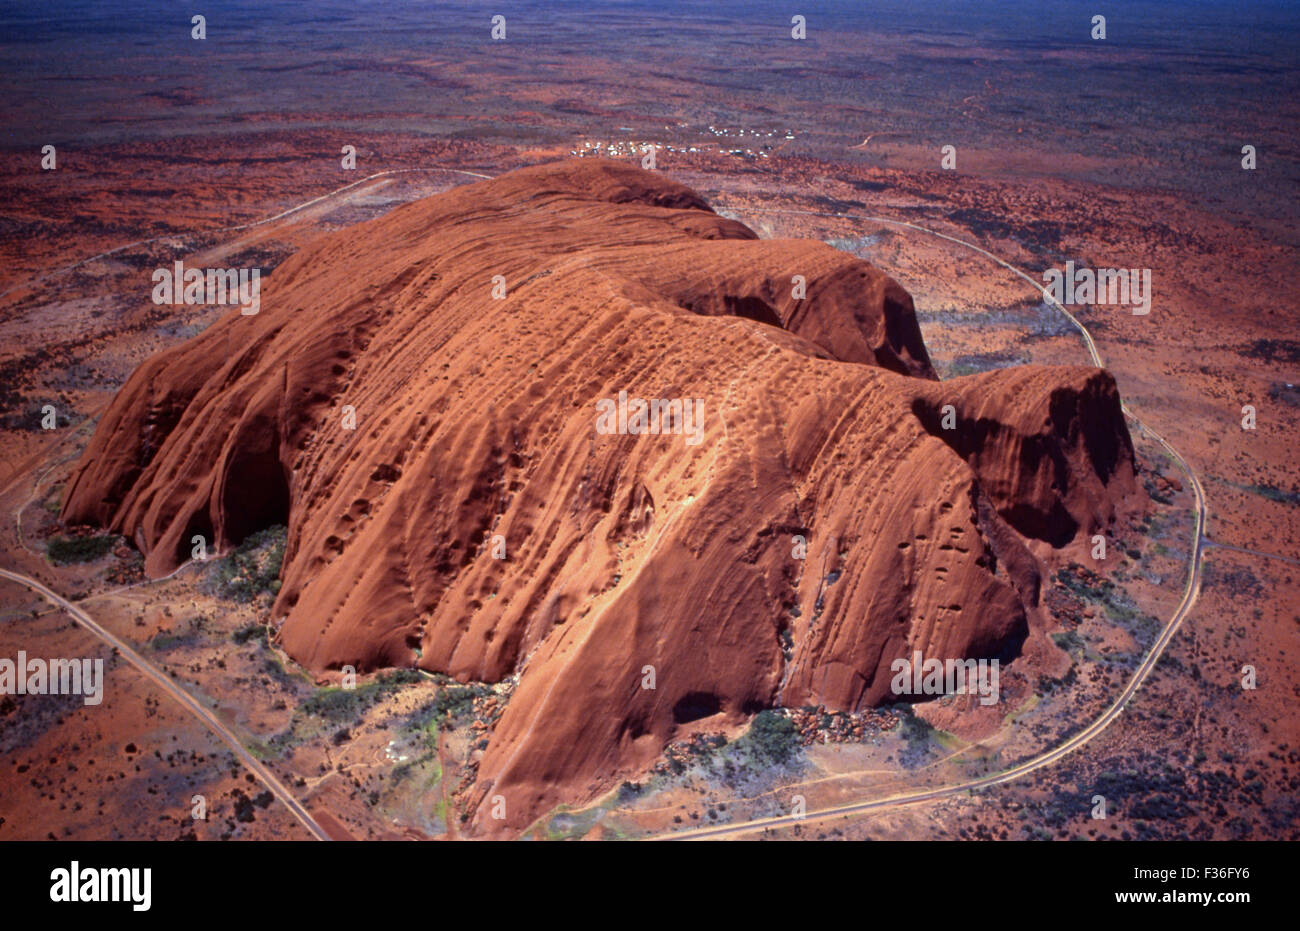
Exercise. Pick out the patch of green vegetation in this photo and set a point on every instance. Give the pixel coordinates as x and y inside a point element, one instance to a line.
<point>564,823</point>
<point>338,705</point>
<point>440,807</point>
<point>771,736</point>
<point>397,677</point>
<point>918,735</point>
<point>1268,492</point>
<point>1122,611</point>
<point>274,667</point>
<point>1094,593</point>
<point>165,641</point>
<point>252,569</point>
<point>188,632</point>
<point>916,731</point>
<point>431,735</point>
<point>1273,494</point>
<point>245,634</point>
<point>1169,661</point>
<point>452,703</point>
<point>335,704</point>
<point>63,551</point>
<point>1027,706</point>
<point>1118,604</point>
<point>1069,641</point>
<point>976,363</point>
<point>1155,526</point>
<point>457,701</point>
<point>947,740</point>
<point>54,502</point>
<point>405,770</point>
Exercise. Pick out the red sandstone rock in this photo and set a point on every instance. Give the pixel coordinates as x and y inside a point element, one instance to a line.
<point>476,420</point>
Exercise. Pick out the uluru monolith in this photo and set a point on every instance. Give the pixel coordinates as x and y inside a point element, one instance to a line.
<point>476,522</point>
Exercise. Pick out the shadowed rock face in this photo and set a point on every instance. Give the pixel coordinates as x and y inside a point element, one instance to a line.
<point>476,422</point>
